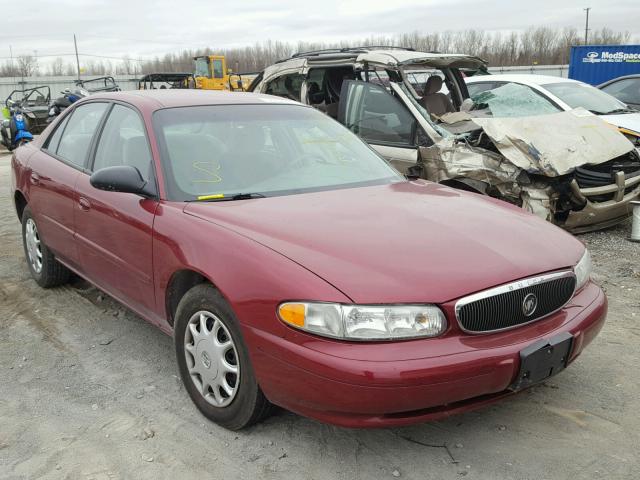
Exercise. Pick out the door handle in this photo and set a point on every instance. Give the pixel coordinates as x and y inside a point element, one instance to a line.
<point>84,204</point>
<point>34,179</point>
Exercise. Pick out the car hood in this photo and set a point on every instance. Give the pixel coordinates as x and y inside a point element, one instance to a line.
<point>403,242</point>
<point>555,144</point>
<point>629,121</point>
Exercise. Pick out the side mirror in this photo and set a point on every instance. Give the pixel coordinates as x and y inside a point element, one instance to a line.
<point>121,178</point>
<point>239,85</point>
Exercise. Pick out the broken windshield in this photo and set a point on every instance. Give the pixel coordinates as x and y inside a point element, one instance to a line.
<point>512,100</point>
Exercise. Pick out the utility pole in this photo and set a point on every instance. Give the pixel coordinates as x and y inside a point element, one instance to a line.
<point>75,44</point>
<point>13,72</point>
<point>586,26</point>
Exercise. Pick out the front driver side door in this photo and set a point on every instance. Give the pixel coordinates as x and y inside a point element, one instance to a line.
<point>114,229</point>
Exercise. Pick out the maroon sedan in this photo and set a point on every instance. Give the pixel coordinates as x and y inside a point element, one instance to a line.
<point>293,266</point>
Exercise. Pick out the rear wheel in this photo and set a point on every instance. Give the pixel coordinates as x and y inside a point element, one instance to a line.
<point>214,361</point>
<point>44,268</point>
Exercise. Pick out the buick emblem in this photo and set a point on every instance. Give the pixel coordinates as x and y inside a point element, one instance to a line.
<point>529,304</point>
<point>206,361</point>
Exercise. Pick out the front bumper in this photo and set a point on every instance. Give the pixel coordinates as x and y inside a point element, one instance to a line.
<point>400,383</point>
<point>597,215</point>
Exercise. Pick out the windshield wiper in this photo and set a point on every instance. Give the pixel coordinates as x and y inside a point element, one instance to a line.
<point>620,110</point>
<point>219,197</point>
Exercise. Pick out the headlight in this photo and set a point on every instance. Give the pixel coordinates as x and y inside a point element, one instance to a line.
<point>364,322</point>
<point>583,270</point>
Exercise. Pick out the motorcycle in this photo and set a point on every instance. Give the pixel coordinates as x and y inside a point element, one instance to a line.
<point>15,129</point>
<point>61,103</point>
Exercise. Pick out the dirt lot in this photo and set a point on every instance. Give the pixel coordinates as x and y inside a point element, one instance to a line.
<point>89,390</point>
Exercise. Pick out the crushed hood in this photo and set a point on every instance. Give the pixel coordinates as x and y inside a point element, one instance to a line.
<point>555,144</point>
<point>404,242</point>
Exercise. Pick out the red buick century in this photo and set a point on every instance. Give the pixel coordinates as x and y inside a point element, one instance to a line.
<point>293,266</point>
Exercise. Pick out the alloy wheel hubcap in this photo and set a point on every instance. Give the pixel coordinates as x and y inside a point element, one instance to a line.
<point>34,247</point>
<point>212,358</point>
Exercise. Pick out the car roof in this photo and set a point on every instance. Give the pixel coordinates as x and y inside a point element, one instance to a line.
<point>525,78</point>
<point>168,98</point>
<point>624,77</point>
<point>391,56</point>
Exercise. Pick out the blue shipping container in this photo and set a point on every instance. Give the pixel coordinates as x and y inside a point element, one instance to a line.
<point>595,64</point>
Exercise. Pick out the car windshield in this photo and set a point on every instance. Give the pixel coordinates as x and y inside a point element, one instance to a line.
<point>512,100</point>
<point>582,95</point>
<point>215,152</point>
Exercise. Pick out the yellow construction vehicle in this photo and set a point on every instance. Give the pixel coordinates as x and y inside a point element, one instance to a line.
<point>211,72</point>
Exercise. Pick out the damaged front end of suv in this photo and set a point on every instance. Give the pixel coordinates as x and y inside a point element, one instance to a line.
<point>570,168</point>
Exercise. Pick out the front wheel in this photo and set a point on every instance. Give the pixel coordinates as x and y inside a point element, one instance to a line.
<point>44,268</point>
<point>214,361</point>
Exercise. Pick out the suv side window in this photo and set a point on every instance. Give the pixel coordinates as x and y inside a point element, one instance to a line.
<point>80,129</point>
<point>123,141</point>
<point>371,112</point>
<point>287,86</point>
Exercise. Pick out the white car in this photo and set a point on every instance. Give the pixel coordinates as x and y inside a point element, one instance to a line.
<point>515,95</point>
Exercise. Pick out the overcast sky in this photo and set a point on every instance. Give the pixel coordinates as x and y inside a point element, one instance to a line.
<point>143,29</point>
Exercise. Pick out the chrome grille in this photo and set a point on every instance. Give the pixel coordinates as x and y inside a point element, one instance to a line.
<point>509,306</point>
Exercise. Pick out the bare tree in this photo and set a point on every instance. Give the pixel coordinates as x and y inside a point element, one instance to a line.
<point>57,67</point>
<point>126,64</point>
<point>26,65</point>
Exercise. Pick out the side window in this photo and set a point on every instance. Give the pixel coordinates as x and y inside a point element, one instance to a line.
<point>123,141</point>
<point>218,71</point>
<point>627,90</point>
<point>287,86</point>
<point>76,138</point>
<point>54,140</point>
<point>371,112</point>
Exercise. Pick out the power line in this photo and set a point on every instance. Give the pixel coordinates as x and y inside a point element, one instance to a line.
<point>83,55</point>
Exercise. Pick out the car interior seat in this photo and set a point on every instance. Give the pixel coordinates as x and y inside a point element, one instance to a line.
<point>198,163</point>
<point>254,159</point>
<point>314,94</point>
<point>435,102</point>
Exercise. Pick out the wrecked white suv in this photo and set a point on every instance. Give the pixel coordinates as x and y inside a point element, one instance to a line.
<point>570,167</point>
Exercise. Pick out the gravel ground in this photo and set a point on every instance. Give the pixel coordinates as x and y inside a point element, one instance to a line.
<point>89,390</point>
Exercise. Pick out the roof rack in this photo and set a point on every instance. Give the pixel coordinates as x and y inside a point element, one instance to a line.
<point>350,50</point>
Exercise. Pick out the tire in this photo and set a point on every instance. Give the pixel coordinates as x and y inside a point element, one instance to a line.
<point>47,271</point>
<point>206,355</point>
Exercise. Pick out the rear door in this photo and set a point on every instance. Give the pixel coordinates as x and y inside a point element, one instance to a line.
<point>114,229</point>
<point>54,172</point>
<point>380,119</point>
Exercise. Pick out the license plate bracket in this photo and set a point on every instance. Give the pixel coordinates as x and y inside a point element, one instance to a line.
<point>542,360</point>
